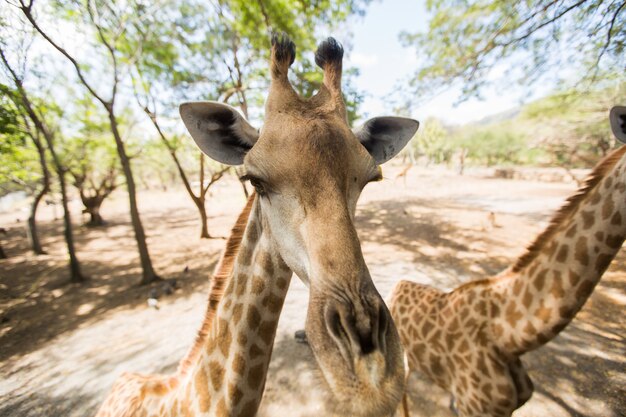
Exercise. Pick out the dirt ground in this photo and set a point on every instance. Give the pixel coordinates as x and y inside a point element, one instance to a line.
<point>62,346</point>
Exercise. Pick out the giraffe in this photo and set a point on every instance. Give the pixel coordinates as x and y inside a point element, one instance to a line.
<point>308,169</point>
<point>469,341</point>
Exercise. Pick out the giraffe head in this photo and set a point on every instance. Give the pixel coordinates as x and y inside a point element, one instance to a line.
<point>308,168</point>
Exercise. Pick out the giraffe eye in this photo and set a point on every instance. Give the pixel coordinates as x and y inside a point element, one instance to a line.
<point>258,185</point>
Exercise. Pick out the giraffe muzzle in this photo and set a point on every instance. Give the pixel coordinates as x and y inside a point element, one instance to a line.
<point>358,330</point>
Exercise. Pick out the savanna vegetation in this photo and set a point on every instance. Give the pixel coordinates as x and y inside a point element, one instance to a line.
<point>567,129</point>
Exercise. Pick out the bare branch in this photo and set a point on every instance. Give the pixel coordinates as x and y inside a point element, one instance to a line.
<point>27,10</point>
<point>609,33</point>
<point>543,24</point>
<point>215,177</point>
<point>151,113</point>
<point>108,46</point>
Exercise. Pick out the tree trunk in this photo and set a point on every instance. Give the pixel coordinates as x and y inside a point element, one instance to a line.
<point>3,255</point>
<point>204,233</point>
<point>93,209</point>
<point>148,274</point>
<point>33,235</point>
<point>75,272</point>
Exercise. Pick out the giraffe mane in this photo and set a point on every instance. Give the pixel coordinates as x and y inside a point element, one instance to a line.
<point>222,274</point>
<point>570,206</point>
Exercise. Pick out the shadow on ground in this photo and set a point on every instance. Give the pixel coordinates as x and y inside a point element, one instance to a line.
<point>37,302</point>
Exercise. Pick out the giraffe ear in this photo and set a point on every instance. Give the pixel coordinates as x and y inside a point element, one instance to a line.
<point>618,122</point>
<point>384,137</point>
<point>219,130</point>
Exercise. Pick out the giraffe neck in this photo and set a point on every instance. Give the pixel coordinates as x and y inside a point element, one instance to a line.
<point>228,375</point>
<point>551,282</point>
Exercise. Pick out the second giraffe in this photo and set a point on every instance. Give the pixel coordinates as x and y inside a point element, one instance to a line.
<point>469,340</point>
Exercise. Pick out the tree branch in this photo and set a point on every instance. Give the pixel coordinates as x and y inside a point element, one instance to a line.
<point>215,177</point>
<point>27,10</point>
<point>108,46</point>
<point>153,118</point>
<point>542,24</point>
<point>609,33</point>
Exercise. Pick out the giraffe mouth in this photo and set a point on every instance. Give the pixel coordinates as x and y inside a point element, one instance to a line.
<point>358,352</point>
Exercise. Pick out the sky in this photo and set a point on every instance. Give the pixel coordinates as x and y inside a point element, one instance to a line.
<point>384,63</point>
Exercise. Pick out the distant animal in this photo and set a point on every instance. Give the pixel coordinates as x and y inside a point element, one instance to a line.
<point>469,341</point>
<point>492,220</point>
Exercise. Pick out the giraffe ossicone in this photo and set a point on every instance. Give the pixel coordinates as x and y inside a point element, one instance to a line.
<point>469,341</point>
<point>308,169</point>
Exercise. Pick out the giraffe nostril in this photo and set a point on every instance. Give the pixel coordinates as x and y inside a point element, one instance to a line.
<point>366,343</point>
<point>333,321</point>
<point>360,334</point>
<point>337,331</point>
<point>383,324</point>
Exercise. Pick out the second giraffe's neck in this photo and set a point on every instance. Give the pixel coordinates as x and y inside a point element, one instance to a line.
<point>228,376</point>
<point>552,281</point>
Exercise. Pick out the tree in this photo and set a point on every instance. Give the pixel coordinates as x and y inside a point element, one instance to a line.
<point>467,40</point>
<point>146,100</point>
<point>3,254</point>
<point>91,159</point>
<point>571,126</point>
<point>431,141</point>
<point>16,158</point>
<point>491,145</point>
<point>44,129</point>
<point>109,24</point>
<point>94,169</point>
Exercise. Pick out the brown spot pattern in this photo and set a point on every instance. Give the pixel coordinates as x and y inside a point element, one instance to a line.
<point>581,251</point>
<point>216,372</point>
<point>588,219</point>
<point>202,388</point>
<point>562,255</point>
<point>254,318</point>
<point>603,262</point>
<point>607,208</point>
<point>256,375</point>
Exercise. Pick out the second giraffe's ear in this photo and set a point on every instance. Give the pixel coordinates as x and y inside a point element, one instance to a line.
<point>618,122</point>
<point>384,137</point>
<point>219,130</point>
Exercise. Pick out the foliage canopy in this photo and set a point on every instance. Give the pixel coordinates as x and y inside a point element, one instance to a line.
<point>467,40</point>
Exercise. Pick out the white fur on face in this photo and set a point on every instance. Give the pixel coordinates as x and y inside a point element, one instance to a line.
<point>292,232</point>
<point>286,218</point>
